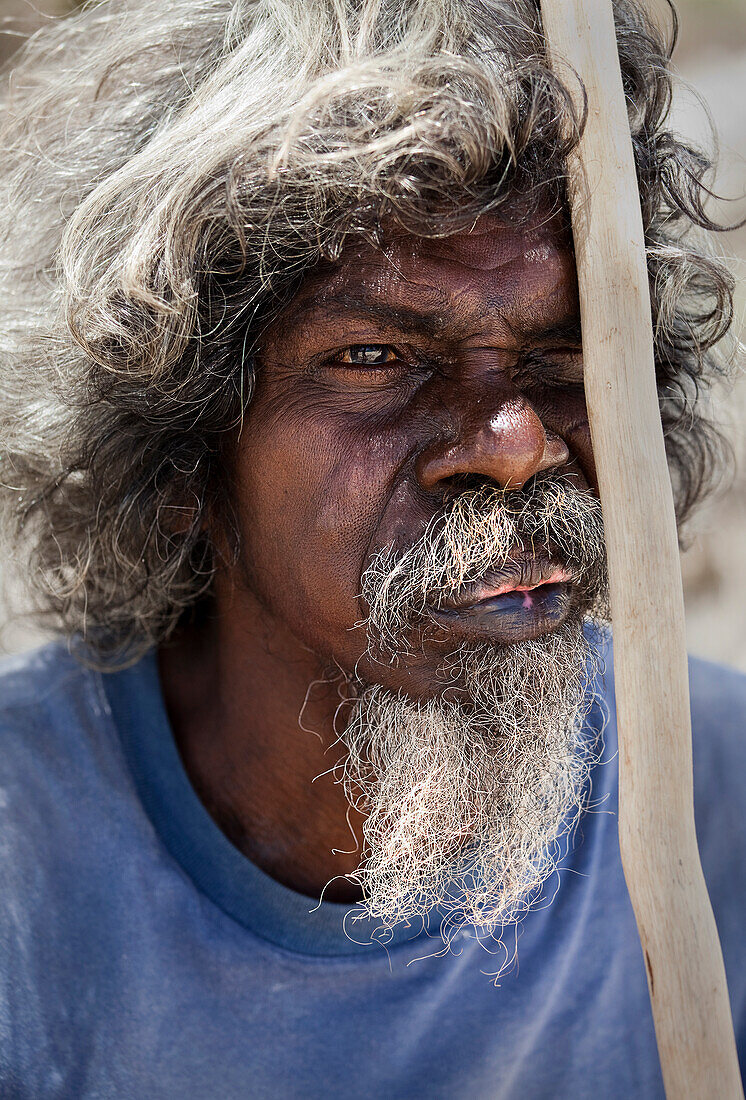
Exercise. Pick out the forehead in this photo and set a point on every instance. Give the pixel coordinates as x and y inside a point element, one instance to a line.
<point>513,276</point>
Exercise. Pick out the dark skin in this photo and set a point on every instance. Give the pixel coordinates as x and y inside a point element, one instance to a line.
<point>470,367</point>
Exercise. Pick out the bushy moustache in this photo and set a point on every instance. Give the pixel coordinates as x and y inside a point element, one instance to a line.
<point>486,531</point>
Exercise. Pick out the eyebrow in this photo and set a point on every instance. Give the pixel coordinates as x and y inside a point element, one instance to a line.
<point>568,330</point>
<point>437,324</point>
<point>405,318</point>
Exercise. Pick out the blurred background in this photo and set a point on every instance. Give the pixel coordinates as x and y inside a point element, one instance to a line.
<point>711,60</point>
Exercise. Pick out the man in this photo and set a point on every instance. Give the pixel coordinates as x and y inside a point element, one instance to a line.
<point>297,440</point>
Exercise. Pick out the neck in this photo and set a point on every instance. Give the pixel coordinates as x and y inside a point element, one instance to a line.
<point>236,701</point>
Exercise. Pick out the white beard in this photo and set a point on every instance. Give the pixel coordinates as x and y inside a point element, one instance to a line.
<point>466,802</point>
<point>466,797</point>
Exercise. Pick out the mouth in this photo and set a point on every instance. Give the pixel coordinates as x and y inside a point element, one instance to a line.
<point>522,602</point>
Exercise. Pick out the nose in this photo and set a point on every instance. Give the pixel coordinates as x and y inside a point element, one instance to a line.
<point>508,445</point>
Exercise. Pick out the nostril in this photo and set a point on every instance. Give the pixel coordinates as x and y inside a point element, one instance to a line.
<point>556,451</point>
<point>504,448</point>
<point>458,484</point>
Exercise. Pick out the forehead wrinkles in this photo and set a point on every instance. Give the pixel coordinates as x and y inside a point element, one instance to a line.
<point>375,286</point>
<point>498,274</point>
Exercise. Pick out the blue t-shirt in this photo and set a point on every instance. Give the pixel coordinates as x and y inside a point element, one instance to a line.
<point>143,956</point>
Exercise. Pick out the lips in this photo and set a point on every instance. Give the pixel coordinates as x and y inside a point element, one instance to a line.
<point>530,597</point>
<point>521,574</point>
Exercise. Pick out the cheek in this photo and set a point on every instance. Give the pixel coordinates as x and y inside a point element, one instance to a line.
<point>577,434</point>
<point>579,441</point>
<point>567,416</point>
<point>311,491</point>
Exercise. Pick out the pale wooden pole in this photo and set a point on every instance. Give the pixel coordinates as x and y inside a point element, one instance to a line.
<point>686,977</point>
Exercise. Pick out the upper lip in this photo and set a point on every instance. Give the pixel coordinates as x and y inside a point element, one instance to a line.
<point>526,571</point>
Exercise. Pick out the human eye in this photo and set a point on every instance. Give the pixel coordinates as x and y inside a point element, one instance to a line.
<point>365,368</point>
<point>367,355</point>
<point>369,367</point>
<point>551,368</point>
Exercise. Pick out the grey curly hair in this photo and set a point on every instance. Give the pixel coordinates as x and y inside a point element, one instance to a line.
<point>172,168</point>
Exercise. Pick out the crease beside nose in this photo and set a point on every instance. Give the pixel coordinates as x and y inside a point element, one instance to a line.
<point>509,447</point>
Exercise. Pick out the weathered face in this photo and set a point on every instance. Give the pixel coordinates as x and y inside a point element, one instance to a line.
<point>394,379</point>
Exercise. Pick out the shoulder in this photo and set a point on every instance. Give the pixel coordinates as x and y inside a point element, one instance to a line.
<point>717,695</point>
<point>51,706</point>
<point>63,803</point>
<point>718,705</point>
<point>36,682</point>
<point>718,715</point>
<point>718,712</point>
<point>718,698</point>
<point>61,764</point>
<point>56,742</point>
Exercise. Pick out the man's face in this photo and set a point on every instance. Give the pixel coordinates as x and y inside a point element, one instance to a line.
<point>416,506</point>
<point>394,380</point>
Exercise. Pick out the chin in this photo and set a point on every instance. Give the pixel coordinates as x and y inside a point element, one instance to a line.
<point>465,788</point>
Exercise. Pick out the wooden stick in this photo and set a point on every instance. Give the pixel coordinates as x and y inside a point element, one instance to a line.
<point>686,977</point>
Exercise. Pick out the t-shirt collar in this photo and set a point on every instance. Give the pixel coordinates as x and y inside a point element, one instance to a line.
<point>235,884</point>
